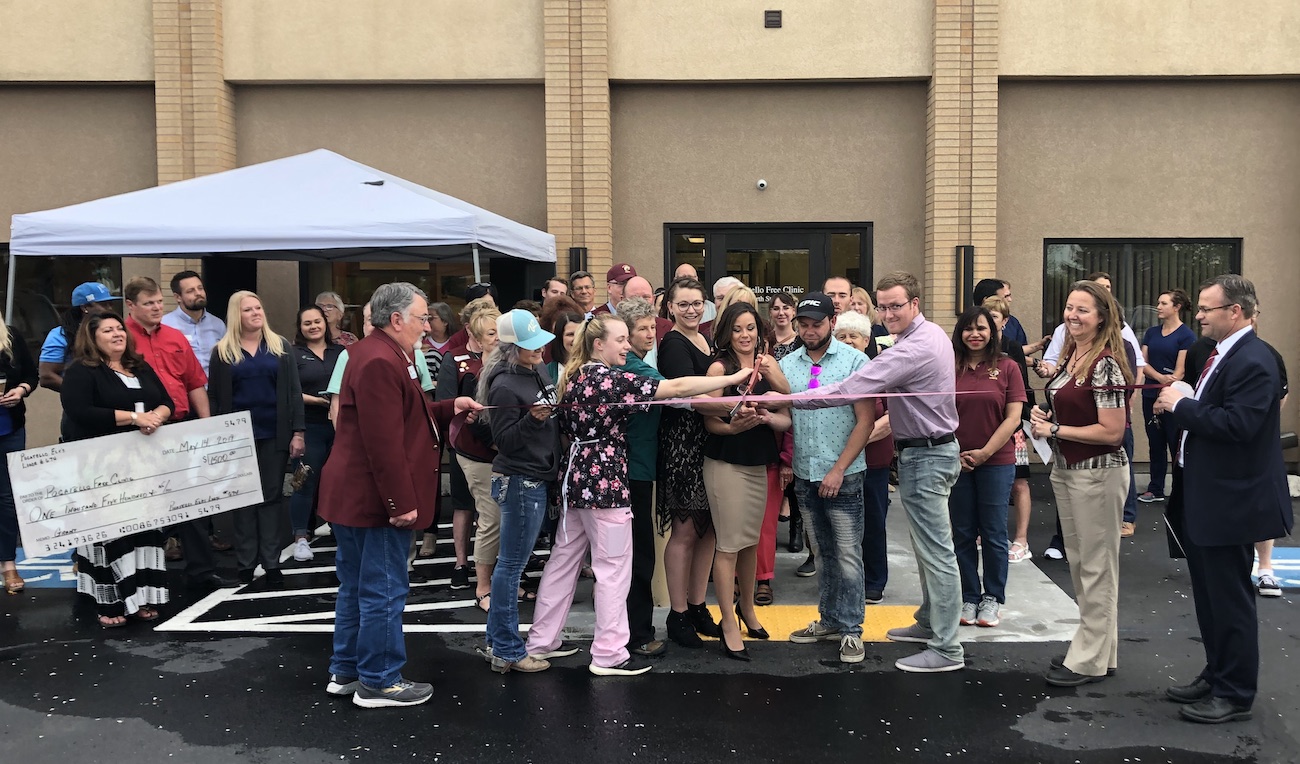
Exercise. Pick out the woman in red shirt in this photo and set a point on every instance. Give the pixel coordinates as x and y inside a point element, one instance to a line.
<point>990,394</point>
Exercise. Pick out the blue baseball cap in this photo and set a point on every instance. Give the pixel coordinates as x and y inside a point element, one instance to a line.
<point>519,327</point>
<point>91,291</point>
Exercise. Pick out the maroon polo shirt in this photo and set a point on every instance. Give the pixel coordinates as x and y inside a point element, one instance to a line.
<point>169,354</point>
<point>980,414</point>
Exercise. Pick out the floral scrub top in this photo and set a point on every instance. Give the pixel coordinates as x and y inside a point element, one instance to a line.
<point>595,468</point>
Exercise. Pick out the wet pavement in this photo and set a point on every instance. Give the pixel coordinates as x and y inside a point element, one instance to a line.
<point>240,676</point>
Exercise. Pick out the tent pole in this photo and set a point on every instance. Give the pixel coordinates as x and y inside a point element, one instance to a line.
<point>9,290</point>
<point>478,276</point>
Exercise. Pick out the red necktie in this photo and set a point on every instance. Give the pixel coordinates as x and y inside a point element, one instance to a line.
<point>1209,362</point>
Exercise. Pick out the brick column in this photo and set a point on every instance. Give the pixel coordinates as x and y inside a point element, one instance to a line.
<point>578,172</point>
<point>193,102</point>
<point>961,151</point>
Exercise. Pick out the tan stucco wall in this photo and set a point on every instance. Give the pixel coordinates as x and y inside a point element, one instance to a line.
<point>65,145</point>
<point>1134,38</point>
<point>726,40</point>
<point>288,40</point>
<point>76,40</point>
<point>1155,159</point>
<point>841,153</point>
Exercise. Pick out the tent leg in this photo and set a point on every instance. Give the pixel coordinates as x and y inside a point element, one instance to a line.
<point>478,274</point>
<point>9,290</point>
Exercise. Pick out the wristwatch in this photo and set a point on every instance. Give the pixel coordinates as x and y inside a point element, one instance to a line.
<point>1055,429</point>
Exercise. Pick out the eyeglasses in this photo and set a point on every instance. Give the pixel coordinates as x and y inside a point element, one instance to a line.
<point>815,383</point>
<point>423,319</point>
<point>1202,309</point>
<point>685,306</point>
<point>893,308</point>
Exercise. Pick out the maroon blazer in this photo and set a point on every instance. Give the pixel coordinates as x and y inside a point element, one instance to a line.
<point>387,442</point>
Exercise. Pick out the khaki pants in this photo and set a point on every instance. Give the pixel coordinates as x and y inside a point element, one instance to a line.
<point>487,541</point>
<point>1091,505</point>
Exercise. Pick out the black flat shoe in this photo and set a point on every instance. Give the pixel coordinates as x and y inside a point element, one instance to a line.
<point>681,631</point>
<point>702,620</point>
<point>736,655</point>
<point>1195,692</point>
<point>1063,677</point>
<point>1214,711</point>
<point>759,633</point>
<point>1059,662</point>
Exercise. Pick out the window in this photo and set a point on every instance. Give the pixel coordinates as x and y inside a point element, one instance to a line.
<point>43,290</point>
<point>1140,270</point>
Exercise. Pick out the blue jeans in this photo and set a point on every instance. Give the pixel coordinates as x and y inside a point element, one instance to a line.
<point>1161,434</point>
<point>978,507</point>
<point>837,525</point>
<point>523,507</point>
<point>368,641</point>
<point>14,441</point>
<point>320,437</point>
<point>875,549</point>
<point>925,478</point>
<point>1131,501</point>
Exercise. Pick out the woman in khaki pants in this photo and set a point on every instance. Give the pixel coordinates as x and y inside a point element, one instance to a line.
<point>1089,409</point>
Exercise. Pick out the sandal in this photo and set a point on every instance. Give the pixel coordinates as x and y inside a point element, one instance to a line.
<point>145,613</point>
<point>112,621</point>
<point>1019,552</point>
<point>763,593</point>
<point>479,600</point>
<point>13,582</point>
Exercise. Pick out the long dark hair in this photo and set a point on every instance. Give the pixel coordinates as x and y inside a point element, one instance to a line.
<point>992,351</point>
<point>722,329</point>
<point>87,351</point>
<point>560,353</point>
<point>298,337</point>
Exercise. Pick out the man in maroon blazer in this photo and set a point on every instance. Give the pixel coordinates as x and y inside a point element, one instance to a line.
<point>381,480</point>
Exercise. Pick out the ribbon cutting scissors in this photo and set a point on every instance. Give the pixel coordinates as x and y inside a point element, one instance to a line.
<point>744,390</point>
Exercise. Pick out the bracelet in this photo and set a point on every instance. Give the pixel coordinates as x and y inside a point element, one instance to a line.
<point>1055,429</point>
<point>134,416</point>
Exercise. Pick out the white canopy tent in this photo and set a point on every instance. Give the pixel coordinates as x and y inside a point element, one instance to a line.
<point>313,207</point>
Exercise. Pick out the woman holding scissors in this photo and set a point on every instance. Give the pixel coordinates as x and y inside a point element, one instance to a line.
<point>742,470</point>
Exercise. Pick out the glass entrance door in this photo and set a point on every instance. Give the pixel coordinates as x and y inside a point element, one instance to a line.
<point>771,263</point>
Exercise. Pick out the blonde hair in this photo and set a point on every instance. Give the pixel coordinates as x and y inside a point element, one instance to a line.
<point>859,293</point>
<point>995,303</point>
<point>739,293</point>
<point>480,316</point>
<point>1109,335</point>
<point>7,340</point>
<point>228,348</point>
<point>584,347</point>
<point>472,308</point>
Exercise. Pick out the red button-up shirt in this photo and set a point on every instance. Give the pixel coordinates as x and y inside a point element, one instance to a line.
<point>169,354</point>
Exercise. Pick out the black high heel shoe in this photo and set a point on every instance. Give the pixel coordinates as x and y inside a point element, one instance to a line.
<point>759,633</point>
<point>702,620</point>
<point>736,655</point>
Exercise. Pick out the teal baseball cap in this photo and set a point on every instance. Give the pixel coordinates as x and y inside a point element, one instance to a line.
<point>519,327</point>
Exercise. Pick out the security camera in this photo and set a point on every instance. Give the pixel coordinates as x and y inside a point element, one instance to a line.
<point>762,184</point>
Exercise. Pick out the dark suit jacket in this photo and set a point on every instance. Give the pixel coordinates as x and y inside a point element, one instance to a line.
<point>1234,480</point>
<point>387,445</point>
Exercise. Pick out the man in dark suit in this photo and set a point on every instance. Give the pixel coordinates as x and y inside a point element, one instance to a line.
<point>1234,494</point>
<point>380,482</point>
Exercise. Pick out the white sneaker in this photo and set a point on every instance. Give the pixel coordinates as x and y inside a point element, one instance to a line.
<point>302,551</point>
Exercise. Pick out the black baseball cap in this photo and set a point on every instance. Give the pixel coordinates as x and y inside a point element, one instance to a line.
<point>816,305</point>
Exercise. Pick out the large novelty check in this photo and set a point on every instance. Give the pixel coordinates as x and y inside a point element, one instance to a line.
<point>100,489</point>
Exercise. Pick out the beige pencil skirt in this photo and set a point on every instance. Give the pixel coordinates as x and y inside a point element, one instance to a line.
<point>738,499</point>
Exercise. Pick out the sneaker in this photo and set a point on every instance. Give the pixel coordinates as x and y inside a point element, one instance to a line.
<point>928,662</point>
<point>913,633</point>
<point>988,613</point>
<point>1126,530</point>
<point>813,632</point>
<point>302,551</point>
<point>875,597</point>
<point>851,649</point>
<point>460,577</point>
<point>1019,552</point>
<point>401,693</point>
<point>1148,497</point>
<point>340,686</point>
<point>1053,553</point>
<point>629,667</point>
<point>1269,586</point>
<point>563,651</point>
<point>275,578</point>
<point>652,649</point>
<point>968,613</point>
<point>809,568</point>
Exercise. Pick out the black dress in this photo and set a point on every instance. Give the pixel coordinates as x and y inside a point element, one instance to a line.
<point>124,574</point>
<point>681,494</point>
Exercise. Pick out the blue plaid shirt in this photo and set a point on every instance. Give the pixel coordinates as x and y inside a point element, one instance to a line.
<point>820,434</point>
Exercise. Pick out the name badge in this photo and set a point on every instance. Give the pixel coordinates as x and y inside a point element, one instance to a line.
<point>410,369</point>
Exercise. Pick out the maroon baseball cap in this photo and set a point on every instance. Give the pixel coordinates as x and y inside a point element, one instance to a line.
<point>620,273</point>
